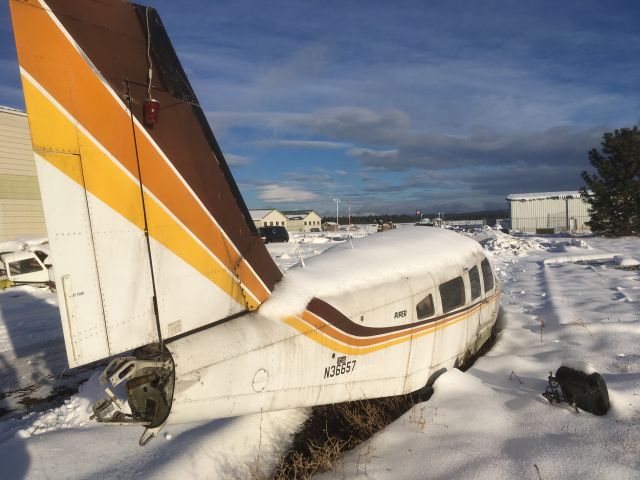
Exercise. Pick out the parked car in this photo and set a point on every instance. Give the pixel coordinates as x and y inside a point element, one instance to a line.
<point>25,267</point>
<point>273,234</point>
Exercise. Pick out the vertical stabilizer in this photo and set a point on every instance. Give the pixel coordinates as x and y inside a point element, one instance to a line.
<point>149,234</point>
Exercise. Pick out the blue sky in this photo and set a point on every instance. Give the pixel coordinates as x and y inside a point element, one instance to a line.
<point>397,106</point>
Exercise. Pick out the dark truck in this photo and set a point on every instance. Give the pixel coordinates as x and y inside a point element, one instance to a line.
<point>273,234</point>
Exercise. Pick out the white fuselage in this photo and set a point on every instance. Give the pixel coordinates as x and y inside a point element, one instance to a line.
<point>260,363</point>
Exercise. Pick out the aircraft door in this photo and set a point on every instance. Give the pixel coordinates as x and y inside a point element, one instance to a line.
<point>424,308</point>
<point>450,336</point>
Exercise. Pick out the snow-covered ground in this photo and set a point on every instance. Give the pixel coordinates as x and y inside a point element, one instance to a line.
<point>32,355</point>
<point>489,422</point>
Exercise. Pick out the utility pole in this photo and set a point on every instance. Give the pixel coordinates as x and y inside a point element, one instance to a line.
<point>349,226</point>
<point>337,200</point>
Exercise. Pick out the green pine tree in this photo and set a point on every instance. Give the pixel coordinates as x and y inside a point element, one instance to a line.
<point>613,193</point>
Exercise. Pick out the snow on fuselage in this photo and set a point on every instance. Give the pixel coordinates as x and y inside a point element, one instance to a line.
<point>376,320</point>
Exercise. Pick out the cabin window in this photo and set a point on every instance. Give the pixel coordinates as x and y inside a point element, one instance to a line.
<point>452,294</point>
<point>425,307</point>
<point>474,282</point>
<point>22,267</point>
<point>487,275</point>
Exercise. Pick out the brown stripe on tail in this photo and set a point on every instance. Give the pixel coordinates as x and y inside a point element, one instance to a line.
<point>183,134</point>
<point>149,234</point>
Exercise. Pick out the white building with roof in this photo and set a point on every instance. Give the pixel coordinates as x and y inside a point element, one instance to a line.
<point>268,217</point>
<point>330,227</point>
<point>548,212</point>
<point>303,220</point>
<point>20,204</point>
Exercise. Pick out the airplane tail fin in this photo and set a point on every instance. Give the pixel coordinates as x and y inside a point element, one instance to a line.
<point>149,234</point>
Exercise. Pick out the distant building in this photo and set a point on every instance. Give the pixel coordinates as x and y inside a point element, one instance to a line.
<point>548,212</point>
<point>20,204</point>
<point>302,220</point>
<point>467,224</point>
<point>269,217</point>
<point>330,227</point>
<point>384,226</point>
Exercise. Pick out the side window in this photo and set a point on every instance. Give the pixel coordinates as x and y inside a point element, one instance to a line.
<point>425,307</point>
<point>487,275</point>
<point>14,268</point>
<point>452,294</point>
<point>474,282</point>
<point>24,266</point>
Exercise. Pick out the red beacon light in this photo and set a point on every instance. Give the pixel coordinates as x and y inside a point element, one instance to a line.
<point>151,111</point>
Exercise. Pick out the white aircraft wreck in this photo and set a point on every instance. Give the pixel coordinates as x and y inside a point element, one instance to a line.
<point>156,256</point>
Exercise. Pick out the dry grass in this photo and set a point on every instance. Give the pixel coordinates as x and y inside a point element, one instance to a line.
<point>332,430</point>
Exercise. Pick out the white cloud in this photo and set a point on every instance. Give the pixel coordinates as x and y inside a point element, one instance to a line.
<point>370,153</point>
<point>237,160</point>
<point>318,144</point>
<point>282,194</point>
<point>275,121</point>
